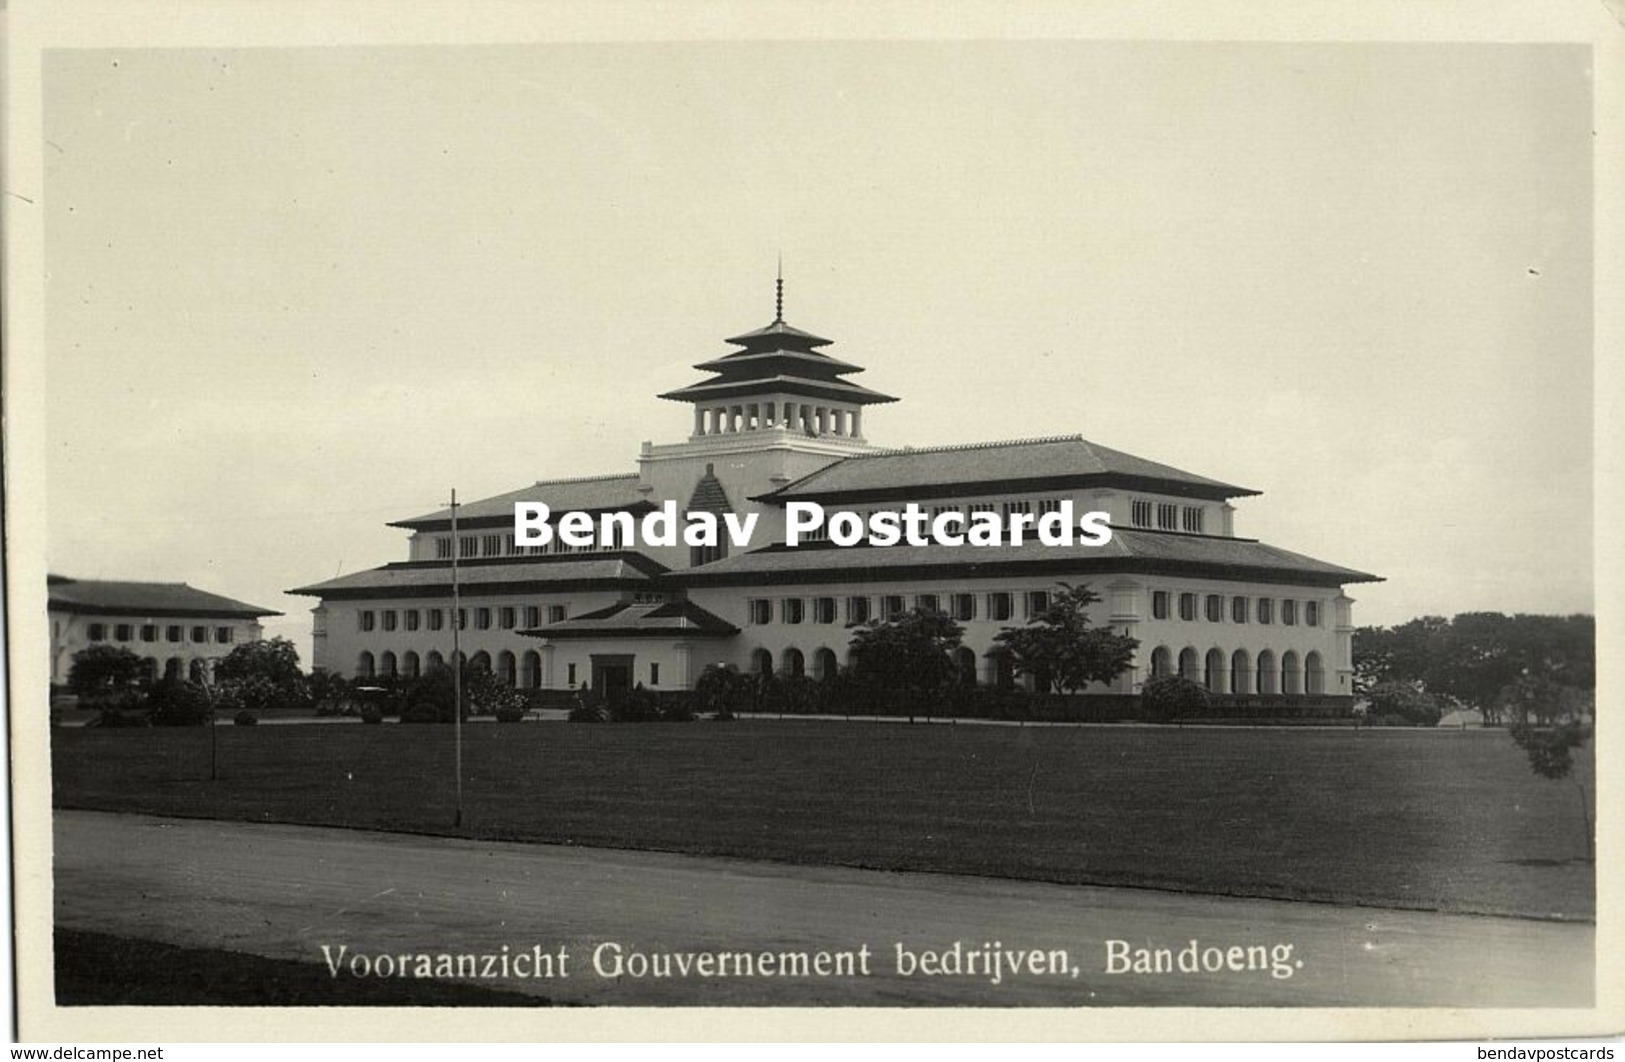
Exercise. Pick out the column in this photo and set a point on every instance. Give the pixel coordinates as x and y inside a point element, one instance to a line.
<point>857,423</point>
<point>823,420</point>
<point>767,418</point>
<point>699,421</point>
<point>685,677</point>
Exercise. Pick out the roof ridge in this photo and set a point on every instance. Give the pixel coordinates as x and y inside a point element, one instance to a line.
<point>584,479</point>
<point>1035,440</point>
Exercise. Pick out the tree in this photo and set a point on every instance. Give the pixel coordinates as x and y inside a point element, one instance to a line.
<point>104,672</point>
<point>911,653</point>
<point>1551,755</point>
<point>1171,697</point>
<point>260,675</point>
<point>1402,704</point>
<point>1060,642</point>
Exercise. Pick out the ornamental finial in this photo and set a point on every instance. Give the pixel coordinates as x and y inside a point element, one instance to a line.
<point>778,302</point>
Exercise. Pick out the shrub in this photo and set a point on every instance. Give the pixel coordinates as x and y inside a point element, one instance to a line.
<point>116,719</point>
<point>372,714</point>
<point>245,719</point>
<point>174,702</point>
<point>588,713</point>
<point>1171,697</point>
<point>1402,704</point>
<point>677,710</point>
<point>511,714</point>
<point>639,706</point>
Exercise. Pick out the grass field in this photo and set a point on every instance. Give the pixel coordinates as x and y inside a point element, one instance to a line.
<point>1451,821</point>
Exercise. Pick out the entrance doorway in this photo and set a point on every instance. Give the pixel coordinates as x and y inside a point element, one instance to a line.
<point>612,676</point>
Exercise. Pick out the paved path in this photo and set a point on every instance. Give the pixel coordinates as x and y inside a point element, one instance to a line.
<point>284,891</point>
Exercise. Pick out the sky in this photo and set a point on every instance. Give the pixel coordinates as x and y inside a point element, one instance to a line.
<point>294,293</point>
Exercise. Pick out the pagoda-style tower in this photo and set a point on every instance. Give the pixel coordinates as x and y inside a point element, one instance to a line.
<point>780,382</point>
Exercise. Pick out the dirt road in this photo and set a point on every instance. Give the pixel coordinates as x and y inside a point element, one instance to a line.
<point>602,925</point>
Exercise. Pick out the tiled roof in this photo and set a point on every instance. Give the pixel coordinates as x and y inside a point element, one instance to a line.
<point>560,495</point>
<point>417,578</point>
<point>1128,551</point>
<point>778,330</point>
<point>1057,458</point>
<point>158,599</point>
<point>709,495</point>
<point>815,360</point>
<point>840,390</point>
<point>634,620</point>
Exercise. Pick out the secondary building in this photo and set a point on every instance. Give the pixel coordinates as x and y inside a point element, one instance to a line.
<point>778,421</point>
<point>176,629</point>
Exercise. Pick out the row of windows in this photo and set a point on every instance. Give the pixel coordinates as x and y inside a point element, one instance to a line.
<point>174,632</point>
<point>997,605</point>
<point>522,672</point>
<point>1239,674</point>
<point>506,617</point>
<point>1167,516</point>
<point>504,546</point>
<point>1242,609</point>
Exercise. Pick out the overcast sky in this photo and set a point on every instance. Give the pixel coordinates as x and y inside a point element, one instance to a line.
<point>296,293</point>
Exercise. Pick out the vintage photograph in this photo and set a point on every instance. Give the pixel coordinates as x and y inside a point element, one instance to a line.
<point>1030,523</point>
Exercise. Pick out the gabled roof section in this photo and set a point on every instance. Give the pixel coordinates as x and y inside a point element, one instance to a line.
<point>629,620</point>
<point>1129,551</point>
<point>1050,462</point>
<point>154,599</point>
<point>709,495</point>
<point>549,573</point>
<point>583,494</point>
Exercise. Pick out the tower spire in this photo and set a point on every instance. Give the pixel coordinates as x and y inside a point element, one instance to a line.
<point>778,301</point>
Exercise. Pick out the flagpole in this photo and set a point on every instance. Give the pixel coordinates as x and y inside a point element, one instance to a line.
<point>456,659</point>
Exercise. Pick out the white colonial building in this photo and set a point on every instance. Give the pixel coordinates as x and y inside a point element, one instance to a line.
<point>779,422</point>
<point>177,630</point>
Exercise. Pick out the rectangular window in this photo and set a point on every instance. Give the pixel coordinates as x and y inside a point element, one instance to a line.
<point>963,606</point>
<point>222,635</point>
<point>823,610</point>
<point>794,609</point>
<point>493,545</point>
<point>1289,613</point>
<point>1311,613</point>
<point>1037,601</point>
<point>173,632</point>
<point>761,610</point>
<point>570,674</point>
<point>505,618</point>
<point>442,548</point>
<point>468,546</point>
<point>857,610</point>
<point>1187,606</point>
<point>367,619</point>
<point>462,619</point>
<point>1167,517</point>
<point>437,619</point>
<point>1049,505</point>
<point>983,507</point>
<point>97,632</point>
<point>654,673</point>
<point>1238,610</point>
<point>122,632</point>
<point>1017,507</point>
<point>149,632</point>
<point>1140,513</point>
<point>389,619</point>
<point>928,602</point>
<point>412,619</point>
<point>1266,610</point>
<point>891,605</point>
<point>533,616</point>
<point>999,605</point>
<point>1159,604</point>
<point>1192,518</point>
<point>508,547</point>
<point>817,534</point>
<point>698,555</point>
<point>557,613</point>
<point>1215,608</point>
<point>200,634</point>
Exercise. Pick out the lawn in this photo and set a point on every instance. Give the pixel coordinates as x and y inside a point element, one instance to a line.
<point>1452,821</point>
